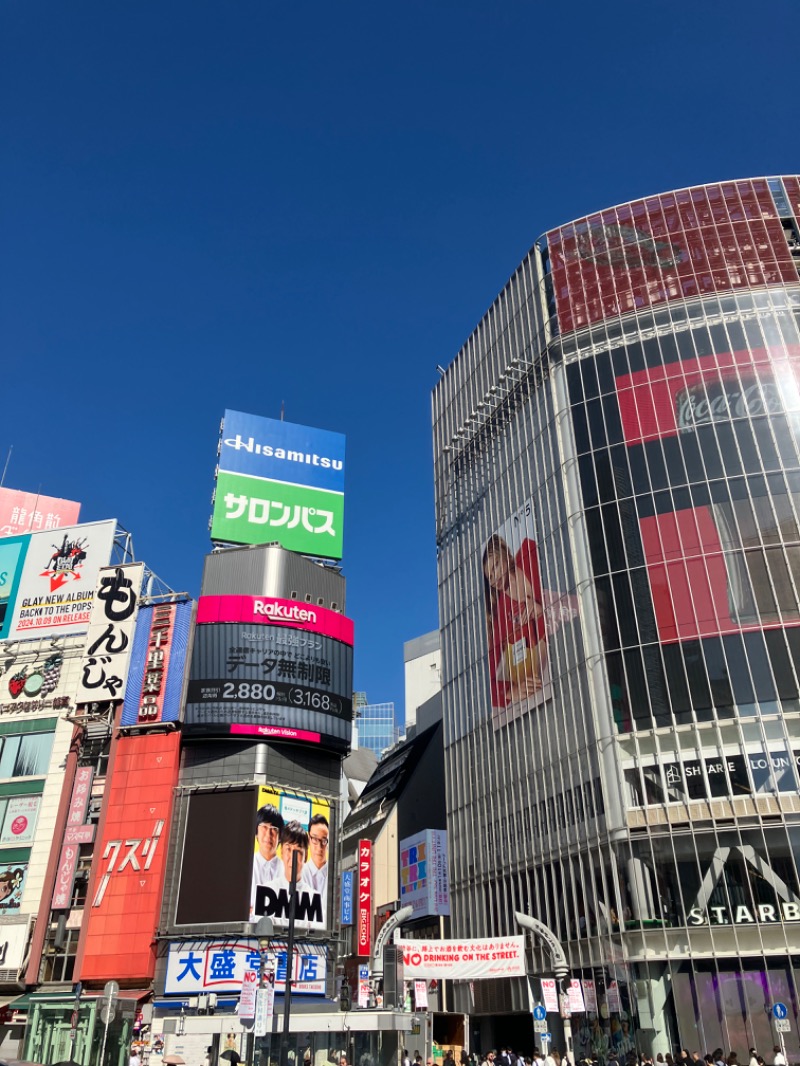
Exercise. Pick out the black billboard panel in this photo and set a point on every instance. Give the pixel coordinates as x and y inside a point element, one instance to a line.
<point>217,861</point>
<point>270,682</point>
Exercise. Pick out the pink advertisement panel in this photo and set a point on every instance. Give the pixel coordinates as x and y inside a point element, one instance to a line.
<point>679,245</point>
<point>271,611</point>
<point>29,512</point>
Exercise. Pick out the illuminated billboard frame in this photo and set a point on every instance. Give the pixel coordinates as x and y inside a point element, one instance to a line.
<point>273,668</point>
<point>279,482</point>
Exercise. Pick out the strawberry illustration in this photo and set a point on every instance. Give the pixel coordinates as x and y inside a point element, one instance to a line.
<point>17,682</point>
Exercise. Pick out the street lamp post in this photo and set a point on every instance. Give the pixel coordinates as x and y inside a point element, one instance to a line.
<point>560,964</point>
<point>287,995</point>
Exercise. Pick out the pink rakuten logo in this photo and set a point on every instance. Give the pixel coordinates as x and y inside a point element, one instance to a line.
<point>272,611</point>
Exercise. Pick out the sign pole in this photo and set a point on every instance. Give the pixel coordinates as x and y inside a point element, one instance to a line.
<point>110,993</point>
<point>73,1030</point>
<point>287,995</point>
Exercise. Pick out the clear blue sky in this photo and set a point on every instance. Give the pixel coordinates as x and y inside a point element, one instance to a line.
<point>234,204</point>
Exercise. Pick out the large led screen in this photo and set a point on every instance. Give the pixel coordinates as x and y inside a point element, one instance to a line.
<point>279,482</point>
<point>711,566</point>
<point>688,450</point>
<point>269,833</point>
<point>270,681</point>
<point>679,245</point>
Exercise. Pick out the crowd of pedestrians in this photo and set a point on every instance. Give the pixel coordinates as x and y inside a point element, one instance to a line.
<point>508,1057</point>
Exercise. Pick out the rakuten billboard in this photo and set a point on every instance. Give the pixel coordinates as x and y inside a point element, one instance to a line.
<point>278,481</point>
<point>274,672</point>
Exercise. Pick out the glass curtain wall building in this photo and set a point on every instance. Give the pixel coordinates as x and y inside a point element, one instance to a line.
<point>375,725</point>
<point>617,475</point>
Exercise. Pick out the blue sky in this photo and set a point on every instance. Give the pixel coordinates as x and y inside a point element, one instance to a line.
<point>210,205</point>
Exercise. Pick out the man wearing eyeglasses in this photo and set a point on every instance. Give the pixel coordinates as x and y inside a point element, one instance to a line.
<point>315,871</point>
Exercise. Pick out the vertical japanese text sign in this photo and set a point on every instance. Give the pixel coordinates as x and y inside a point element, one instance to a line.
<point>68,859</point>
<point>108,647</point>
<point>364,930</point>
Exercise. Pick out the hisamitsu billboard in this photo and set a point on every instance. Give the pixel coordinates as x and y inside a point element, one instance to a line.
<point>279,482</point>
<point>282,451</point>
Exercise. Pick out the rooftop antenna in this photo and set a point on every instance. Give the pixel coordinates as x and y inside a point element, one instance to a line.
<point>8,460</point>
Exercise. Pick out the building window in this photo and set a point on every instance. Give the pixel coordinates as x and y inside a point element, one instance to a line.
<point>26,755</point>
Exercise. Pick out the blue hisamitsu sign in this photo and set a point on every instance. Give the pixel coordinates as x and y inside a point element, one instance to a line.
<point>347,898</point>
<point>282,451</point>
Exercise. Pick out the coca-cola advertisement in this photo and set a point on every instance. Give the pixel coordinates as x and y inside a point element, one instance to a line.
<point>730,561</point>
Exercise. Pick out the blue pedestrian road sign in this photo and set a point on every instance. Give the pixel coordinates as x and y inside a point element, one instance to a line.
<point>779,1010</point>
<point>539,1014</point>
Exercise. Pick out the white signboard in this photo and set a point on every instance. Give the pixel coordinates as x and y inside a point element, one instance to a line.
<point>590,996</point>
<point>423,873</point>
<point>421,995</point>
<point>502,956</point>
<point>265,1006</point>
<point>576,1004</point>
<point>13,942</point>
<point>20,820</point>
<point>195,966</point>
<point>549,994</point>
<point>612,996</point>
<point>104,670</point>
<point>247,1000</point>
<point>56,588</point>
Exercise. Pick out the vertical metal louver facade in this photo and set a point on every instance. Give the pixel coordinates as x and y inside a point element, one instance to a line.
<point>617,477</point>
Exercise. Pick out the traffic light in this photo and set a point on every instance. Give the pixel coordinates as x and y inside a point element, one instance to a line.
<point>345,997</point>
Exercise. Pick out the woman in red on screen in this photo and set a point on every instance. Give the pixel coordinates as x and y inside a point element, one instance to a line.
<point>515,621</point>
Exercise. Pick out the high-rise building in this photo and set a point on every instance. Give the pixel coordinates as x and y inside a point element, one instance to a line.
<point>374,724</point>
<point>422,662</point>
<point>617,468</point>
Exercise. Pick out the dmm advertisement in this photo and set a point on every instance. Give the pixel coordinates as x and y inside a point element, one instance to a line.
<point>282,482</point>
<point>56,588</point>
<point>270,681</point>
<point>292,836</point>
